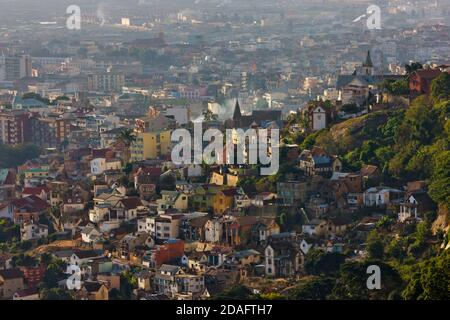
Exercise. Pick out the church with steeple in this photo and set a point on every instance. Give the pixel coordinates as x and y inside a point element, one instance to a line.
<point>367,67</point>
<point>354,88</point>
<point>258,118</point>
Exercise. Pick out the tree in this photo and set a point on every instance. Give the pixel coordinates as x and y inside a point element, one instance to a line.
<point>53,273</point>
<point>440,87</point>
<point>23,260</point>
<point>127,137</point>
<point>439,189</point>
<point>352,281</point>
<point>320,262</point>
<point>55,294</point>
<point>239,292</point>
<point>209,115</point>
<point>431,281</point>
<point>410,68</point>
<point>11,157</point>
<point>315,289</point>
<point>56,216</point>
<point>375,249</point>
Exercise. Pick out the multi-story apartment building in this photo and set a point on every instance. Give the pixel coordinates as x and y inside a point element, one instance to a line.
<point>49,131</point>
<point>106,81</point>
<point>15,67</point>
<point>151,145</point>
<point>15,127</point>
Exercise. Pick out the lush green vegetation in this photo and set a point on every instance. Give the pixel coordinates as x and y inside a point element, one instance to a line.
<point>11,157</point>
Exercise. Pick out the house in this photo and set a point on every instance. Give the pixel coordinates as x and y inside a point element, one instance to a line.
<point>33,275</point>
<point>415,206</point>
<point>319,115</point>
<point>127,208</point>
<point>381,196</point>
<point>318,162</point>
<point>11,281</point>
<point>131,241</point>
<point>7,184</point>
<point>170,250</point>
<point>224,200</point>
<point>5,261</point>
<point>420,81</point>
<point>194,228</point>
<point>261,231</point>
<point>91,235</point>
<point>188,286</point>
<point>283,259</point>
<point>371,175</point>
<point>263,199</point>
<point>99,213</point>
<point>82,258</point>
<point>315,227</point>
<point>63,255</point>
<point>27,294</point>
<point>145,279</point>
<point>145,181</point>
<point>73,203</point>
<point>28,208</point>
<point>31,231</point>
<point>172,200</point>
<point>100,165</point>
<point>218,255</point>
<point>110,280</point>
<point>6,210</point>
<point>244,258</point>
<point>164,281</point>
<point>294,193</point>
<point>163,226</point>
<point>202,197</point>
<point>175,283</point>
<point>93,290</point>
<point>196,261</point>
<point>42,192</point>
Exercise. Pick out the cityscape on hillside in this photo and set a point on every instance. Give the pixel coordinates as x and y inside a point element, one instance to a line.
<point>224,150</point>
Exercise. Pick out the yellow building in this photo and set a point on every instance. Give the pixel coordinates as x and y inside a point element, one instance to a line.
<point>151,145</point>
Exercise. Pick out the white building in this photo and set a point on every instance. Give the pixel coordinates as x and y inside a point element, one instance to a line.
<point>213,230</point>
<point>379,196</point>
<point>30,231</point>
<point>319,119</point>
<point>181,114</point>
<point>163,227</point>
<point>100,165</point>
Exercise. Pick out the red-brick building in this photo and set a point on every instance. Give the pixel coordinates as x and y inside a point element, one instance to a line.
<point>15,127</point>
<point>420,81</point>
<point>167,252</point>
<point>33,275</point>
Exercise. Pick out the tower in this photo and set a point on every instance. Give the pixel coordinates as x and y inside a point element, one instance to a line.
<point>367,67</point>
<point>237,111</point>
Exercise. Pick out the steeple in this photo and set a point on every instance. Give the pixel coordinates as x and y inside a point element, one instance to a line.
<point>368,63</point>
<point>237,111</point>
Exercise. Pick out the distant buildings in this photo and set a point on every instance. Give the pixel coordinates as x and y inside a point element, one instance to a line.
<point>15,67</point>
<point>106,81</point>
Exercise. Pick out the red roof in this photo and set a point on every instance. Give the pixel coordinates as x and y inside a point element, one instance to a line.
<point>230,192</point>
<point>150,171</point>
<point>35,190</point>
<point>131,203</point>
<point>31,204</point>
<point>428,73</point>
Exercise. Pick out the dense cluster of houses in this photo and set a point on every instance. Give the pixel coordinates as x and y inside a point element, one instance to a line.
<point>185,239</point>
